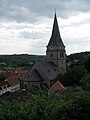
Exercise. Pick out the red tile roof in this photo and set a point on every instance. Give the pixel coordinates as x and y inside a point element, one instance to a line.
<point>56,86</point>
<point>14,78</point>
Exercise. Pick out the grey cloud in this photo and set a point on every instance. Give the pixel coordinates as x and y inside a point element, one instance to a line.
<point>29,10</point>
<point>79,41</point>
<point>32,35</point>
<point>16,13</point>
<point>86,21</point>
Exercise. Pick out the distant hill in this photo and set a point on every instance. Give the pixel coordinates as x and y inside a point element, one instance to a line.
<point>14,61</point>
<point>77,56</point>
<point>19,60</point>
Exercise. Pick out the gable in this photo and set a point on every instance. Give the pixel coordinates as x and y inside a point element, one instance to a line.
<point>55,87</point>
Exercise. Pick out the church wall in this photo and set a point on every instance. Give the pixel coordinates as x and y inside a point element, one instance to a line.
<point>28,84</point>
<point>58,58</point>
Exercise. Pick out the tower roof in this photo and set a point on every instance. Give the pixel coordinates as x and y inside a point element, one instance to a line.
<point>55,37</point>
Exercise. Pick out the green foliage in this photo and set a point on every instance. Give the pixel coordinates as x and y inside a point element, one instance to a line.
<point>69,107</point>
<point>87,62</point>
<point>19,60</point>
<point>72,76</point>
<point>35,90</point>
<point>86,82</point>
<point>77,56</point>
<point>3,77</point>
<point>59,78</point>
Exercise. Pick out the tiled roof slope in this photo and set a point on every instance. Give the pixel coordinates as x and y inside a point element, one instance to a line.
<point>42,71</point>
<point>56,86</point>
<point>14,78</point>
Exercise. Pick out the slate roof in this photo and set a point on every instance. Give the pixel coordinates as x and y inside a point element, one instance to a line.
<point>56,86</point>
<point>55,37</point>
<point>42,71</point>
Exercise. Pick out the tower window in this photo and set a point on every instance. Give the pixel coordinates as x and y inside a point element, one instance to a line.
<point>48,70</point>
<point>61,55</point>
<point>51,55</point>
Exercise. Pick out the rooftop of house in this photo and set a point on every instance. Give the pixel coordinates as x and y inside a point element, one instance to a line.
<point>56,86</point>
<point>13,79</point>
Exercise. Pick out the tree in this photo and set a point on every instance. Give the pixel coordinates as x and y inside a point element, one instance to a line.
<point>74,75</point>
<point>87,62</point>
<point>3,77</point>
<point>86,82</point>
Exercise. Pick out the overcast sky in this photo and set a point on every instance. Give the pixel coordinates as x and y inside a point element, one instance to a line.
<point>26,25</point>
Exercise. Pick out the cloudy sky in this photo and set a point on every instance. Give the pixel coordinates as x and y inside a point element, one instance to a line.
<point>26,25</point>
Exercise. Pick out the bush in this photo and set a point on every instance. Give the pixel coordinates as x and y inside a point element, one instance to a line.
<point>86,82</point>
<point>69,107</point>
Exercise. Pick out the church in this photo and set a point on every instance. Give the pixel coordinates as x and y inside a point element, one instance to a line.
<point>42,73</point>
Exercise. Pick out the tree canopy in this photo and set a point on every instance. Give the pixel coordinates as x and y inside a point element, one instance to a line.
<point>75,106</point>
<point>87,62</point>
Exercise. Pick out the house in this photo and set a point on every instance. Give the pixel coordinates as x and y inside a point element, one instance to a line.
<point>14,82</point>
<point>56,88</point>
<point>4,87</point>
<point>45,72</point>
<point>14,79</point>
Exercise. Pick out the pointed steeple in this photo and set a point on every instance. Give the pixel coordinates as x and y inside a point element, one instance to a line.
<point>55,39</point>
<point>55,49</point>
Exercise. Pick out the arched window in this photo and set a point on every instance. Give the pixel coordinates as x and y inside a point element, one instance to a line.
<point>61,55</point>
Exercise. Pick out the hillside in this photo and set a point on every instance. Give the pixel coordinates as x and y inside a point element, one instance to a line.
<point>77,56</point>
<point>19,60</point>
<point>14,61</point>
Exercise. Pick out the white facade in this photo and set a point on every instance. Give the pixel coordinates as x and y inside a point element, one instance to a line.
<point>4,89</point>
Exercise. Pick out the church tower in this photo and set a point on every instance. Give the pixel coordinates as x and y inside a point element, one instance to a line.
<point>55,49</point>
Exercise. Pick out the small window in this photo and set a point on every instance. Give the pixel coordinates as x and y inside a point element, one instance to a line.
<point>51,55</point>
<point>55,69</point>
<point>61,55</point>
<point>28,76</point>
<point>25,86</point>
<point>48,70</point>
<point>4,87</point>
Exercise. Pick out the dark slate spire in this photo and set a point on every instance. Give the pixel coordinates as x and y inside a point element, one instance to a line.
<point>55,37</point>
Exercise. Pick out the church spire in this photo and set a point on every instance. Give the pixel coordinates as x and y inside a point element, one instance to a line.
<point>55,39</point>
<point>55,49</point>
